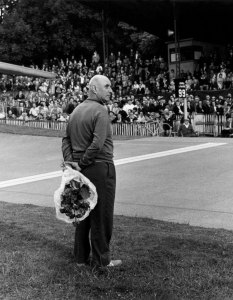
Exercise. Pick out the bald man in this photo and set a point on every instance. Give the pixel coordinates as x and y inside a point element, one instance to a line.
<point>88,145</point>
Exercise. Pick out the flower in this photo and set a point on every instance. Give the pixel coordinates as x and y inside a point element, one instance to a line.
<point>73,200</point>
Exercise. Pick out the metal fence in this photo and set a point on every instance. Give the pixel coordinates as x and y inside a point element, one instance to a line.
<point>203,124</point>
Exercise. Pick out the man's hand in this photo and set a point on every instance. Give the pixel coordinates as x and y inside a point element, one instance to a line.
<point>74,165</point>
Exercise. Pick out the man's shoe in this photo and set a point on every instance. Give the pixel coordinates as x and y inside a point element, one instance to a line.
<point>115,263</point>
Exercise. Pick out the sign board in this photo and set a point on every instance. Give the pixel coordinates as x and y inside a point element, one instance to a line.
<point>180,88</point>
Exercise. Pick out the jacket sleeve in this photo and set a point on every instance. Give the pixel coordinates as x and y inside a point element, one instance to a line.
<point>99,137</point>
<point>67,147</point>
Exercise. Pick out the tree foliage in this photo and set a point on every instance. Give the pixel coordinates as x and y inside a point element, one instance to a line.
<point>15,36</point>
<point>37,29</point>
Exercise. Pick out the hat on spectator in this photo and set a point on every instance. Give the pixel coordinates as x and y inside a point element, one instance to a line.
<point>186,119</point>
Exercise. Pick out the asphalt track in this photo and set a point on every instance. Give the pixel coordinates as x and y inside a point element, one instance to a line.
<point>193,187</point>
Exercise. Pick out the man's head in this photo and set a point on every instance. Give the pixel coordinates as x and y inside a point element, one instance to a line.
<point>100,88</point>
<point>186,121</point>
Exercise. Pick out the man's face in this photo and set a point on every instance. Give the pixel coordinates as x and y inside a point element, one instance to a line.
<point>104,89</point>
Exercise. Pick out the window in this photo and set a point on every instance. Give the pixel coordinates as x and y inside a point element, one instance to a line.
<point>186,53</point>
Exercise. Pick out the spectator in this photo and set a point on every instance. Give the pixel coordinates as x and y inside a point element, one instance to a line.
<point>208,109</point>
<point>178,109</point>
<point>141,118</point>
<point>34,111</point>
<point>128,106</point>
<point>199,108</point>
<point>186,129</point>
<point>95,60</point>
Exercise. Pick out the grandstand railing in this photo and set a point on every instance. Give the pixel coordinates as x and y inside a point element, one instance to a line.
<point>203,124</point>
<point>34,123</point>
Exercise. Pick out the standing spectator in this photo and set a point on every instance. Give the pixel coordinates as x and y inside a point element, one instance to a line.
<point>208,109</point>
<point>199,108</point>
<point>112,58</point>
<point>95,60</point>
<point>178,109</point>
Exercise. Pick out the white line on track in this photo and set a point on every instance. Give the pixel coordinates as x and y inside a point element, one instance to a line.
<point>23,180</point>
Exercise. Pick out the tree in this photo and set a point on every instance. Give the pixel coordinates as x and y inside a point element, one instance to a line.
<point>33,30</point>
<point>146,43</point>
<point>15,38</point>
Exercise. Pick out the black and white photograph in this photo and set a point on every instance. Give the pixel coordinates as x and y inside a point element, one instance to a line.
<point>116,149</point>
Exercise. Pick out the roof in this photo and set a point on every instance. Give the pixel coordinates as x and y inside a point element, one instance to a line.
<point>11,69</point>
<point>209,21</point>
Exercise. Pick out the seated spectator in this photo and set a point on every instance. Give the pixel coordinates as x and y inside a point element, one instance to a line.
<point>220,81</point>
<point>213,81</point>
<point>227,130</point>
<point>10,115</point>
<point>128,105</point>
<point>189,83</point>
<point>21,108</point>
<point>23,117</point>
<point>171,87</point>
<point>115,108</point>
<point>20,96</point>
<point>123,114</point>
<point>131,118</point>
<point>154,118</point>
<point>141,88</point>
<point>119,119</point>
<point>195,85</point>
<point>63,117</point>
<point>141,118</point>
<point>204,82</point>
<point>34,111</point>
<point>186,129</point>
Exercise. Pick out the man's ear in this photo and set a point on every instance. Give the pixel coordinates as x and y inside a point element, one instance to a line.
<point>94,89</point>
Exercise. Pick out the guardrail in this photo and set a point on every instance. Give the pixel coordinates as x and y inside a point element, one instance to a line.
<point>38,124</point>
<point>203,124</point>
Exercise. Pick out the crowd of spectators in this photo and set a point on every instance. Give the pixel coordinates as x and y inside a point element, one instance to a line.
<point>135,81</point>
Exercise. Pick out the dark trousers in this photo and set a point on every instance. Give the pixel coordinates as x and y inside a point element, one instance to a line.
<point>100,220</point>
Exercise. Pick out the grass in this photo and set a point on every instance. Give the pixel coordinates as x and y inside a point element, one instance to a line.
<point>161,260</point>
<point>25,130</point>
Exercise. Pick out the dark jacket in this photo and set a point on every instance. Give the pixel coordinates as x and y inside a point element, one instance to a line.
<point>186,132</point>
<point>208,109</point>
<point>199,110</point>
<point>88,135</point>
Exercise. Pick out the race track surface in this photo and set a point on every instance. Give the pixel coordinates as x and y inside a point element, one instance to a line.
<point>193,187</point>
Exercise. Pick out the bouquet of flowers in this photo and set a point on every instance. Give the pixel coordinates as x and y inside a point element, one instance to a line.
<point>75,198</point>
